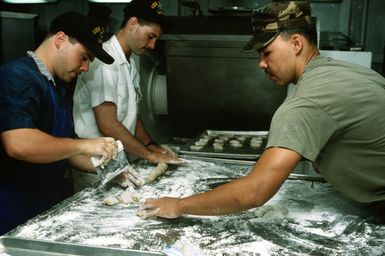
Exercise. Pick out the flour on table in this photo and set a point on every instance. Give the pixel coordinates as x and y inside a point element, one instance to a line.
<point>183,247</point>
<point>303,217</point>
<point>269,213</point>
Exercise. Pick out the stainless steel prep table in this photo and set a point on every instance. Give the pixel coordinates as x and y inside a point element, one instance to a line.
<point>304,218</point>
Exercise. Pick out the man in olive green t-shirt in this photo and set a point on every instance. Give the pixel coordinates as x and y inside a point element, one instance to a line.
<point>334,118</point>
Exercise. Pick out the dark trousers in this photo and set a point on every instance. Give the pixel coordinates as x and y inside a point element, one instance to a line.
<point>21,203</point>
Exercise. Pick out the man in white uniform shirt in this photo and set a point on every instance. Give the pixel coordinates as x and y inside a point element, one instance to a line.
<point>106,99</point>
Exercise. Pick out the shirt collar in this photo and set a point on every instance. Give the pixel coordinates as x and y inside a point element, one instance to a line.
<point>42,68</point>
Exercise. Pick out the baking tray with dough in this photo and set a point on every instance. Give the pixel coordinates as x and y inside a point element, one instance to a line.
<point>227,144</point>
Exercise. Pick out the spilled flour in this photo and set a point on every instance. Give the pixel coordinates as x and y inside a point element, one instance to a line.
<point>303,218</point>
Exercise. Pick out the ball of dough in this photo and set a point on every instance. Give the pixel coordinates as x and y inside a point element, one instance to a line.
<point>235,144</point>
<point>196,148</point>
<point>110,201</point>
<point>218,146</point>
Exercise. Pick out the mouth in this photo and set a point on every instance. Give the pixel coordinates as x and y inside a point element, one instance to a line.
<point>73,75</point>
<point>77,73</point>
<point>270,75</point>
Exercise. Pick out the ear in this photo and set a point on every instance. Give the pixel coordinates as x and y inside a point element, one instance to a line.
<point>132,22</point>
<point>297,41</point>
<point>60,39</point>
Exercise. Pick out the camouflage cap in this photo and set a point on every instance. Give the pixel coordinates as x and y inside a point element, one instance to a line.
<point>269,21</point>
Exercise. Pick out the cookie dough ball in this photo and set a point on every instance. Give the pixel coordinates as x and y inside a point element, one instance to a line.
<point>241,138</point>
<point>110,201</point>
<point>255,145</point>
<point>235,144</point>
<point>219,141</point>
<point>218,146</point>
<point>200,143</point>
<point>224,138</point>
<point>196,147</point>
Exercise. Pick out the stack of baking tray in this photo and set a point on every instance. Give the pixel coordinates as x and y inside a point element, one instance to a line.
<point>247,145</point>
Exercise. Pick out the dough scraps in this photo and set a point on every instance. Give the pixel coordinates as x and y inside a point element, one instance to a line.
<point>158,170</point>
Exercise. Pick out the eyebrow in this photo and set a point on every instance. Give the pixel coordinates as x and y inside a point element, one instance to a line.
<point>154,35</point>
<point>90,55</point>
<point>264,50</point>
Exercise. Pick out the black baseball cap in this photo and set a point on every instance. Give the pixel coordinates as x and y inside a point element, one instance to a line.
<point>148,10</point>
<point>87,30</point>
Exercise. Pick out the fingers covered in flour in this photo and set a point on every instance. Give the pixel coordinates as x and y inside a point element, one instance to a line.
<point>165,207</point>
<point>129,177</point>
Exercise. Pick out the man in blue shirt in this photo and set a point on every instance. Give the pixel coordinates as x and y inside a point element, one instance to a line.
<point>36,127</point>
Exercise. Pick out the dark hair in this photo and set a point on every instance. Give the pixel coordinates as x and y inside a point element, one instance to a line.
<point>71,39</point>
<point>146,11</point>
<point>141,21</point>
<point>309,32</point>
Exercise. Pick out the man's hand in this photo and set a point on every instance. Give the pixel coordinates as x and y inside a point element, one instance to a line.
<point>128,178</point>
<point>165,207</point>
<point>163,155</point>
<point>102,150</point>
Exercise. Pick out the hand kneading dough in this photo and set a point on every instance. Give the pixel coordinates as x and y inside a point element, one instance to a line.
<point>130,195</point>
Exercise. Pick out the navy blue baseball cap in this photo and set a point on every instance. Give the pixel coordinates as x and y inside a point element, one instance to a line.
<point>87,30</point>
<point>148,10</point>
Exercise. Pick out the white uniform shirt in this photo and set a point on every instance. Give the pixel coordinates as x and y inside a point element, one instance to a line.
<point>117,83</point>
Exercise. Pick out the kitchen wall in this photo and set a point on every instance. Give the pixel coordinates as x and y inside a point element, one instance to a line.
<point>362,20</point>
<point>367,27</point>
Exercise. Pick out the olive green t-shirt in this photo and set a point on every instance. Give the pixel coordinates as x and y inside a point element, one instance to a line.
<point>335,117</point>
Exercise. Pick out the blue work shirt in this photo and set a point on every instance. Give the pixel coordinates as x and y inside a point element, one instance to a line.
<point>29,100</point>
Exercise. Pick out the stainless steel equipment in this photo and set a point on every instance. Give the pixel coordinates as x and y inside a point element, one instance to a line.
<point>18,34</point>
<point>209,83</point>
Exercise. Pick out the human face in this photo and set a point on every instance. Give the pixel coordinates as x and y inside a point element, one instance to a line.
<point>278,61</point>
<point>73,58</point>
<point>145,37</point>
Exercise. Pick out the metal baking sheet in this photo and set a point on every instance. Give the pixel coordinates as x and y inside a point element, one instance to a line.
<point>246,151</point>
<point>11,246</point>
<point>303,218</point>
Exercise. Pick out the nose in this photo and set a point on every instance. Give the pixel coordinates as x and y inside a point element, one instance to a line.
<point>262,63</point>
<point>85,66</point>
<point>151,44</point>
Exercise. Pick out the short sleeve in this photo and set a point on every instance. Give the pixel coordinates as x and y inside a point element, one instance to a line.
<point>19,100</point>
<point>100,83</point>
<point>302,126</point>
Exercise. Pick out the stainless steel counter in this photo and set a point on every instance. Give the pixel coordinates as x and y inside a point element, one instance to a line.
<point>303,218</point>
